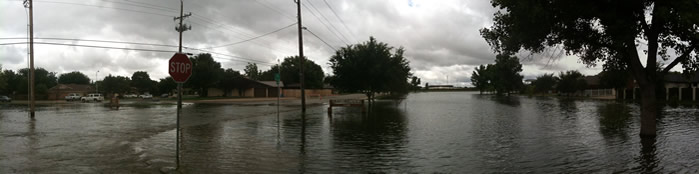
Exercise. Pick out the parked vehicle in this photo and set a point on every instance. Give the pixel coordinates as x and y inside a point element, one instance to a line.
<point>146,96</point>
<point>73,97</point>
<point>5,99</point>
<point>92,97</point>
<point>164,96</point>
<point>130,96</point>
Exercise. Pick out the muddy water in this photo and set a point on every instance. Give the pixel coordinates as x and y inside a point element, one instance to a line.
<point>427,132</point>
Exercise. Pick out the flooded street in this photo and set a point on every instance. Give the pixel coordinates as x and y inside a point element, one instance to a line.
<point>453,132</point>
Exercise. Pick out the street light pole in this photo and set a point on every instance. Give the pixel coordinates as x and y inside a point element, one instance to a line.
<point>97,87</point>
<point>29,4</point>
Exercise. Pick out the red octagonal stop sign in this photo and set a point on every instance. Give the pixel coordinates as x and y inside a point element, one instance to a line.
<point>180,67</point>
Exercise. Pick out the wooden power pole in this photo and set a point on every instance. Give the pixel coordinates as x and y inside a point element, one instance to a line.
<point>180,28</point>
<point>301,57</point>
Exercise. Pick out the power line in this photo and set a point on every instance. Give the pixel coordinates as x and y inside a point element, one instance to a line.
<point>321,39</point>
<point>328,21</point>
<point>275,9</point>
<point>89,40</point>
<point>89,46</point>
<point>115,8</point>
<point>154,7</point>
<point>341,21</point>
<point>321,21</point>
<point>230,28</point>
<point>253,38</point>
<point>243,59</point>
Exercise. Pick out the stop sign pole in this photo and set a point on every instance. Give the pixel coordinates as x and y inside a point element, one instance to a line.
<point>180,69</point>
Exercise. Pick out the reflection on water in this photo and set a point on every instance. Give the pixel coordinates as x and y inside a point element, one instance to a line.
<point>451,132</point>
<point>648,159</point>
<point>614,120</point>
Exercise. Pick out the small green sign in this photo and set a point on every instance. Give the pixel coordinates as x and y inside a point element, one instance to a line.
<point>276,78</point>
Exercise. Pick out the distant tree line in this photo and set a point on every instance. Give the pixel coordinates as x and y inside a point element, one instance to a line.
<point>370,67</point>
<point>503,77</point>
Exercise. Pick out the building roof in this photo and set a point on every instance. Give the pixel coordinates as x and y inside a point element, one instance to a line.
<point>680,78</point>
<point>272,83</point>
<point>71,87</point>
<point>592,80</point>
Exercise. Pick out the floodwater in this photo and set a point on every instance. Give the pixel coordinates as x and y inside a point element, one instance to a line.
<point>452,132</point>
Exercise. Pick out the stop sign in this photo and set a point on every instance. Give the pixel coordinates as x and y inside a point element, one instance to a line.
<point>180,67</point>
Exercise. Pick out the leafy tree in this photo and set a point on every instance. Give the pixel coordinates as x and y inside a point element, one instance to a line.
<point>75,77</point>
<point>206,73</point>
<point>602,31</point>
<point>313,73</point>
<point>141,81</point>
<point>166,85</point>
<point>229,80</point>
<point>3,82</point>
<point>415,83</point>
<point>13,82</point>
<point>480,78</point>
<point>571,82</point>
<point>269,74</point>
<point>41,77</point>
<point>505,75</point>
<point>115,84</point>
<point>545,83</point>
<point>370,67</point>
<point>251,71</point>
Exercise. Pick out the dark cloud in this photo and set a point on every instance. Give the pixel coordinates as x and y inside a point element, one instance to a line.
<point>441,38</point>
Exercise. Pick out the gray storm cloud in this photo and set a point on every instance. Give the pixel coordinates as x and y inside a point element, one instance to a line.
<point>441,38</point>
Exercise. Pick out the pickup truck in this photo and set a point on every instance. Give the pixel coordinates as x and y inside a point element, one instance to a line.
<point>73,97</point>
<point>92,97</point>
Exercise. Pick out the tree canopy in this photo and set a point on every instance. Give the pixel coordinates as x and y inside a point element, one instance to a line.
<point>480,78</point>
<point>115,84</point>
<point>229,80</point>
<point>75,77</point>
<point>166,85</point>
<point>370,67</point>
<point>570,82</point>
<point>313,73</point>
<point>603,31</point>
<point>506,71</point>
<point>141,81</point>
<point>545,83</point>
<point>205,73</point>
<point>252,72</point>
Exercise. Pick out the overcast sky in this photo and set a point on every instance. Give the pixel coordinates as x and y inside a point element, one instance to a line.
<point>441,38</point>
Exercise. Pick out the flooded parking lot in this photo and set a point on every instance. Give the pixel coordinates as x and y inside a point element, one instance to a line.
<point>427,132</point>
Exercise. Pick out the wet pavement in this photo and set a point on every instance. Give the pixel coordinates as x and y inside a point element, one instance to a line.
<point>427,132</point>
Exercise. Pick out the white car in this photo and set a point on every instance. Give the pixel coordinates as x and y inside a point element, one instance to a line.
<point>73,97</point>
<point>146,96</point>
<point>92,97</point>
<point>130,96</point>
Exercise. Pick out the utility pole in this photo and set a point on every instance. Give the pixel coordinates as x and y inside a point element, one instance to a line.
<point>30,5</point>
<point>301,57</point>
<point>180,28</point>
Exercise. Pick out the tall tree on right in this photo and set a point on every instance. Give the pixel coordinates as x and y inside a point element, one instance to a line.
<point>370,67</point>
<point>605,31</point>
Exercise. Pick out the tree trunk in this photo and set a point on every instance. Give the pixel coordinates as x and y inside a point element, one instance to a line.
<point>649,110</point>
